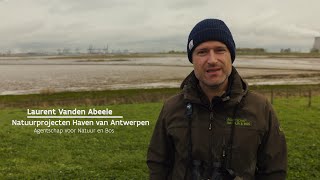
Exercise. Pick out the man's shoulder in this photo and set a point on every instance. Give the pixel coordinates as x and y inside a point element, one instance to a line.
<point>173,112</point>
<point>254,99</point>
<point>257,97</point>
<point>174,103</point>
<point>175,99</point>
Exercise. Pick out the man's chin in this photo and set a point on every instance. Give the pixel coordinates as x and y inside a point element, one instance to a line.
<point>214,85</point>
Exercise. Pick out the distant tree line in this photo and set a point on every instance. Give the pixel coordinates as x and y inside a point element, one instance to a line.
<point>251,50</point>
<point>314,50</point>
<point>287,50</point>
<point>239,50</point>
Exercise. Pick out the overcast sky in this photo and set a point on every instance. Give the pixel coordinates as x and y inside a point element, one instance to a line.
<point>153,25</point>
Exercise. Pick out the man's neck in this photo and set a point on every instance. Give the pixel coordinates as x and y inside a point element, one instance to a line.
<point>213,91</point>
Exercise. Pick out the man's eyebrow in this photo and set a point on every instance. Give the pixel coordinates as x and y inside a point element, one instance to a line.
<point>222,46</point>
<point>206,48</point>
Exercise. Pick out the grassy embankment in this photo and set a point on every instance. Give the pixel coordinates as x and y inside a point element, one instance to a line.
<point>127,96</point>
<point>121,155</point>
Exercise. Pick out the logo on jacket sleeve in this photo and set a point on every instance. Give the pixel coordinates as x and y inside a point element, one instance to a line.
<point>238,122</point>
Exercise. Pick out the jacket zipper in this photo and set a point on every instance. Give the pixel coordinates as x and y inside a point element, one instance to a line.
<point>211,120</point>
<point>210,117</point>
<point>210,129</point>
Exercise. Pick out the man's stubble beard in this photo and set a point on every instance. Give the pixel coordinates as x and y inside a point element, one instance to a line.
<point>217,86</point>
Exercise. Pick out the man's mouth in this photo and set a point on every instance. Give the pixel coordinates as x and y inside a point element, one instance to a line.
<point>213,70</point>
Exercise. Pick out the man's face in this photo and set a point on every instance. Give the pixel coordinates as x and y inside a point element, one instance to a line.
<point>212,64</point>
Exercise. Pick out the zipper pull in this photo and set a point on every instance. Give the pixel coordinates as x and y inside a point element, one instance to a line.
<point>211,116</point>
<point>211,119</point>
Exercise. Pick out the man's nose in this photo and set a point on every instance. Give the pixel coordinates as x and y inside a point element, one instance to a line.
<point>212,59</point>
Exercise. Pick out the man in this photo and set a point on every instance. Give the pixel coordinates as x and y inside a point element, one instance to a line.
<point>215,128</point>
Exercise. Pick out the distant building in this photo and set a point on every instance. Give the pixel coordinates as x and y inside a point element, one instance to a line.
<point>316,45</point>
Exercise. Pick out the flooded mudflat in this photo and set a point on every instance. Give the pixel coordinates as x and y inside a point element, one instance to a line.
<point>25,75</point>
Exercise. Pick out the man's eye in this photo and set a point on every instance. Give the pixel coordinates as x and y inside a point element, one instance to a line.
<point>202,52</point>
<point>220,50</point>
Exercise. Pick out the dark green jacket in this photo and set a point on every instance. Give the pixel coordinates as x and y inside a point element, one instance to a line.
<point>258,145</point>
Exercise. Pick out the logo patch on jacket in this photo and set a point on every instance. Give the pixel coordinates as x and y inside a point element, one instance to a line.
<point>238,122</point>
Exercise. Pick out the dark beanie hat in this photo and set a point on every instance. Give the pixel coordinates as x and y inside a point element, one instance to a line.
<point>210,30</point>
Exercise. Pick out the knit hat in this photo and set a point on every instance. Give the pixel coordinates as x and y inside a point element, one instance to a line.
<point>210,30</point>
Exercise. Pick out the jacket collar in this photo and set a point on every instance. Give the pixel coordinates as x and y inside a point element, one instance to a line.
<point>237,88</point>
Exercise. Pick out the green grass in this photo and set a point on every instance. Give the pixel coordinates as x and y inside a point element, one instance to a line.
<point>301,126</point>
<point>122,154</point>
<point>119,155</point>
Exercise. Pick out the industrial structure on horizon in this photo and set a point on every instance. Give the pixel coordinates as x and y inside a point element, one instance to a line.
<point>316,45</point>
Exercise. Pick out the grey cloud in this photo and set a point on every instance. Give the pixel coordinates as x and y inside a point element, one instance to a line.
<point>144,24</point>
<point>72,7</point>
<point>186,4</point>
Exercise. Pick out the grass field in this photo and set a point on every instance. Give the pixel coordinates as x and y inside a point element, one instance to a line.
<point>121,155</point>
<point>118,155</point>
